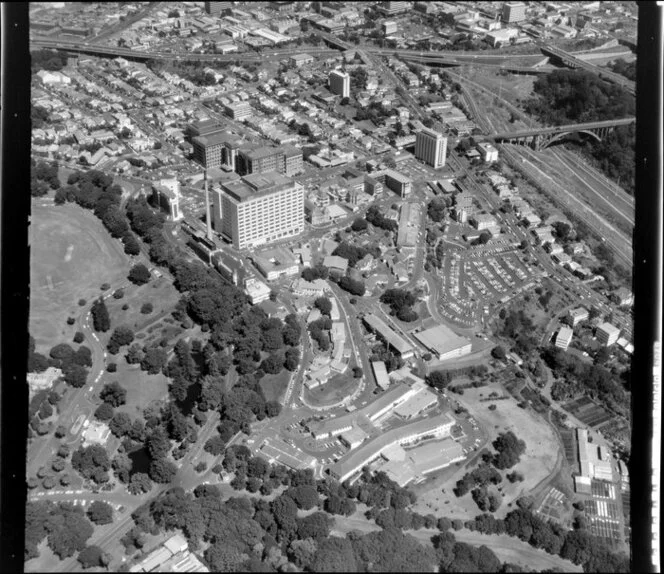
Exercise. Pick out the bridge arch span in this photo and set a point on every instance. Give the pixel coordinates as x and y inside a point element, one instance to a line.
<point>555,138</point>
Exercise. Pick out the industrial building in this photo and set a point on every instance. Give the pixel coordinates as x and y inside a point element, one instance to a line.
<point>443,342</point>
<point>259,209</point>
<point>431,147</point>
<point>394,341</point>
<point>607,334</point>
<point>594,461</point>
<point>564,338</point>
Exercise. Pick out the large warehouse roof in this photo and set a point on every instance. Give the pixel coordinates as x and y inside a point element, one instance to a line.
<point>441,339</point>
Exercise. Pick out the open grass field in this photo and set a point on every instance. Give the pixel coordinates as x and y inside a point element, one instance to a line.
<point>274,386</point>
<point>71,256</point>
<point>160,292</point>
<point>142,388</point>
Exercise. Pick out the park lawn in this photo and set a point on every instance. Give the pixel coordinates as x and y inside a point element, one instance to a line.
<point>334,391</point>
<point>142,388</point>
<point>160,292</point>
<point>274,386</point>
<point>72,255</point>
<point>45,562</point>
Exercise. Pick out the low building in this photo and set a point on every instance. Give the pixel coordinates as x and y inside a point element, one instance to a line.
<point>607,334</point>
<point>256,290</point>
<point>443,342</point>
<point>336,264</point>
<point>488,152</point>
<point>564,338</point>
<point>624,296</point>
<point>394,341</point>
<point>299,60</point>
<point>422,400</point>
<point>380,374</point>
<point>432,427</point>
<point>315,288</point>
<point>482,221</point>
<point>96,433</point>
<point>577,315</point>
<point>353,438</point>
<point>276,263</point>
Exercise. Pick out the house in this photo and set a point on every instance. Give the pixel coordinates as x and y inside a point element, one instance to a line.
<point>336,264</point>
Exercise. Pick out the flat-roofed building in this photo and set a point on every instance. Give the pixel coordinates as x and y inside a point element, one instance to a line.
<point>217,8</point>
<point>431,147</point>
<point>166,194</point>
<point>380,374</point>
<point>482,221</point>
<point>433,427</point>
<point>256,290</point>
<point>218,149</point>
<point>513,12</point>
<point>404,466</point>
<point>259,160</point>
<point>422,400</point>
<point>299,60</point>
<point>488,152</point>
<point>336,264</point>
<point>564,338</point>
<point>443,342</point>
<point>260,209</point>
<point>276,263</point>
<point>238,110</point>
<point>578,315</point>
<point>339,83</point>
<point>353,438</point>
<point>607,334</point>
<point>203,128</point>
<point>397,182</point>
<point>315,288</point>
<point>388,401</point>
<point>387,334</point>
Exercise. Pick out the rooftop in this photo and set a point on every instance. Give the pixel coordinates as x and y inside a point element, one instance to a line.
<point>256,185</point>
<point>441,339</point>
<point>388,333</point>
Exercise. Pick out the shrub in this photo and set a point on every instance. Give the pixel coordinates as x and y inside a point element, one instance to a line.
<point>118,294</point>
<point>82,302</point>
<point>112,367</point>
<point>105,286</point>
<point>146,308</point>
<point>71,320</point>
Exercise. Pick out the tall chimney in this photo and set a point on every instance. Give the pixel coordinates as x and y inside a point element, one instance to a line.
<point>207,207</point>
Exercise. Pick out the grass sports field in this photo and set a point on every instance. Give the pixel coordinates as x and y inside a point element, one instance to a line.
<point>71,256</point>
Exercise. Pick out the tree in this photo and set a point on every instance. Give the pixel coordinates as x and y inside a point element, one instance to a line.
<point>120,424</point>
<point>357,372</point>
<point>93,556</point>
<point>353,286</point>
<point>100,317</point>
<point>58,465</point>
<point>359,224</point>
<point>324,305</point>
<point>121,336</point>
<point>139,483</point>
<point>114,394</point>
<point>79,337</point>
<point>139,274</point>
<point>438,379</point>
<point>304,496</point>
<point>75,375</point>
<point>92,462</point>
<point>162,471</point>
<point>154,360</point>
<point>498,352</point>
<point>69,530</point>
<point>215,445</point>
<point>104,412</point>
<point>147,308</point>
<point>100,512</point>
<point>292,359</point>
<point>334,555</point>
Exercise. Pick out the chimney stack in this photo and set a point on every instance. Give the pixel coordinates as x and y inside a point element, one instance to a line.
<point>207,207</point>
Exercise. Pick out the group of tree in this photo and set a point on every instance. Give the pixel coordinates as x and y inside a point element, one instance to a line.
<point>401,304</point>
<point>596,380</point>
<point>120,337</point>
<point>352,286</point>
<point>65,527</point>
<point>101,320</point>
<point>318,271</point>
<point>519,327</point>
<point>42,178</point>
<point>565,97</point>
<point>73,363</point>
<point>509,450</point>
<point>377,219</point>
<point>441,379</point>
<point>95,190</point>
<point>353,252</point>
<point>319,330</point>
<point>359,225</point>
<point>479,477</point>
<point>437,209</point>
